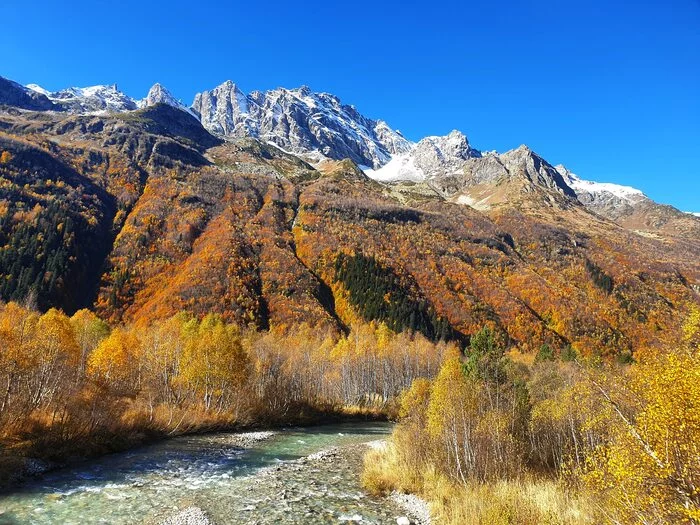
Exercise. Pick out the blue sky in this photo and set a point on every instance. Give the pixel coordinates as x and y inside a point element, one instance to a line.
<point>609,88</point>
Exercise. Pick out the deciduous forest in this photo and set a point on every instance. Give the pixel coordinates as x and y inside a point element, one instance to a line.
<point>72,383</point>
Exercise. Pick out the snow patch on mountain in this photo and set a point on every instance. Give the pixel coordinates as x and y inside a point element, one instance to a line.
<point>400,167</point>
<point>577,184</point>
<point>431,157</point>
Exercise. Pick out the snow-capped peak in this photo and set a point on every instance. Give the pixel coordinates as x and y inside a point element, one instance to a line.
<point>581,186</point>
<point>91,99</point>
<point>315,125</point>
<point>38,89</point>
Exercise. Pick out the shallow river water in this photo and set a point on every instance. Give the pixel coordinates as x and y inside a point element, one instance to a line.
<point>279,480</point>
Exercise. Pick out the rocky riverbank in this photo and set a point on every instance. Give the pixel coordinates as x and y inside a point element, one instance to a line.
<point>300,491</point>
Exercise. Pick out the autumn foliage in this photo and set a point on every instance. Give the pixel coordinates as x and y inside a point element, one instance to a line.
<point>70,380</point>
<point>611,443</point>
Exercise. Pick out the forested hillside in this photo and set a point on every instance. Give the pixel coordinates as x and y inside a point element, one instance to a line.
<point>144,214</point>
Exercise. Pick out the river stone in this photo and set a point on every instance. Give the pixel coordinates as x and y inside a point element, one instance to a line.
<point>189,516</point>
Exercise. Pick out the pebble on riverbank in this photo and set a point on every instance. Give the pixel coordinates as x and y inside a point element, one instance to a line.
<point>188,516</point>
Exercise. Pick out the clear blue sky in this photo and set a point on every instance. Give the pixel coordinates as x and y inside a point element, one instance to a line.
<point>610,88</point>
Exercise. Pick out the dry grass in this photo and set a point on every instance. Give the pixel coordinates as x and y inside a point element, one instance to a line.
<point>386,470</point>
<point>518,501</point>
<point>525,501</point>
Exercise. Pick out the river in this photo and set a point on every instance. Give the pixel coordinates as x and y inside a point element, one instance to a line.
<point>302,475</point>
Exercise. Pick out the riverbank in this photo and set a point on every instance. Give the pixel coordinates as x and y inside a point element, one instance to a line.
<point>38,453</point>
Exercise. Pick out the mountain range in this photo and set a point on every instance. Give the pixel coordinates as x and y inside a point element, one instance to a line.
<point>254,205</point>
<point>318,126</point>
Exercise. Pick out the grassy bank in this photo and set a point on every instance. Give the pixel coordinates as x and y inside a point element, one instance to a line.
<point>523,501</point>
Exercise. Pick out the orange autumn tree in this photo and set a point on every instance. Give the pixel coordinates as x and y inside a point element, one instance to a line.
<point>57,356</point>
<point>17,358</point>
<point>116,361</point>
<point>89,331</point>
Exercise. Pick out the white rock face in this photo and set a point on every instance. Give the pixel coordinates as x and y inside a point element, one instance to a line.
<point>430,158</point>
<point>89,100</point>
<point>299,121</point>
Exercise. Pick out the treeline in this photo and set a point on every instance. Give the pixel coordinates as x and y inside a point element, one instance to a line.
<point>68,380</point>
<point>498,438</point>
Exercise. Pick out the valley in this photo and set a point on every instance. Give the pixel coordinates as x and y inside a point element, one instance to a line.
<point>170,274</point>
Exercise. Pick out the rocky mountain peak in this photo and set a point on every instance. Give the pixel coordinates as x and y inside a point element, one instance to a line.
<point>524,162</point>
<point>224,111</point>
<point>158,94</point>
<point>314,125</point>
<point>89,100</point>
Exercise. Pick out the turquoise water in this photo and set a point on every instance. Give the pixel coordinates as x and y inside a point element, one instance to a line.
<point>263,484</point>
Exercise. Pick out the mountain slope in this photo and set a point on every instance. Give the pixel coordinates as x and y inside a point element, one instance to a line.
<point>318,127</point>
<point>14,94</point>
<point>145,213</point>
